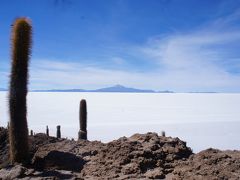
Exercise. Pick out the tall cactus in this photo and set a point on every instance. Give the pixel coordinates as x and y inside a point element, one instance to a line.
<point>58,131</point>
<point>31,133</point>
<point>82,134</point>
<point>21,49</point>
<point>47,131</point>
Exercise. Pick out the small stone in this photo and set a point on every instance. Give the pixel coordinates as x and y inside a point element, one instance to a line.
<point>155,174</point>
<point>12,172</point>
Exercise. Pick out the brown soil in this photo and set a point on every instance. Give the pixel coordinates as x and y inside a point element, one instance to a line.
<point>141,156</point>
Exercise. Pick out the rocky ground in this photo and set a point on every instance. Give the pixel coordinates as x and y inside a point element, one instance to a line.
<point>141,156</point>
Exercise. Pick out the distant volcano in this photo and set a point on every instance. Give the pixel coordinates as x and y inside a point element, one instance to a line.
<point>120,88</point>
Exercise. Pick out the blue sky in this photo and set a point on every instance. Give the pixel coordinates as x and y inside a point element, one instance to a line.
<point>187,45</point>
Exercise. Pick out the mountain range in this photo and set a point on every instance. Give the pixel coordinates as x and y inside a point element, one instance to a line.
<point>116,88</point>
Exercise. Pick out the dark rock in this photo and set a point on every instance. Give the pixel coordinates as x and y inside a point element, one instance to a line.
<point>58,160</point>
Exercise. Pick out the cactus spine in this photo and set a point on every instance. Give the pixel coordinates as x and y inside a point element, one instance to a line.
<point>21,49</point>
<point>82,134</point>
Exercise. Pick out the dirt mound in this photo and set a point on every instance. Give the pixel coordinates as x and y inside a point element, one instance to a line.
<point>210,164</point>
<point>141,156</point>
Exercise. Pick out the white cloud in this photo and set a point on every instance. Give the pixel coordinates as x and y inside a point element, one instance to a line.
<point>184,62</point>
<point>76,75</point>
<point>181,78</point>
<point>195,61</point>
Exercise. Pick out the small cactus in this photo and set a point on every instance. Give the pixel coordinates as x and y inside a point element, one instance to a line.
<point>18,131</point>
<point>58,131</point>
<point>82,134</point>
<point>47,131</point>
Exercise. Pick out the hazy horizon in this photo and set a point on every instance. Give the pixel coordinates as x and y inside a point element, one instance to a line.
<point>113,86</point>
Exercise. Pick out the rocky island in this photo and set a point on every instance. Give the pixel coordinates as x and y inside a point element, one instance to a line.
<point>141,156</point>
